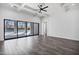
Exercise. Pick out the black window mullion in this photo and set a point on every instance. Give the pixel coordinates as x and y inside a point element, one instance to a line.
<point>26,29</point>
<point>4,29</point>
<point>38,28</point>
<point>33,28</point>
<point>17,29</point>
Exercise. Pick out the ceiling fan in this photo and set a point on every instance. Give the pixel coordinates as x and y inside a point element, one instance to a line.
<point>42,8</point>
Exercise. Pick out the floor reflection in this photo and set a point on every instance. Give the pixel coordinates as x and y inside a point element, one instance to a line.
<point>17,46</point>
<point>2,47</point>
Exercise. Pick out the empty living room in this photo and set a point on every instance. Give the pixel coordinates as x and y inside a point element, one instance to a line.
<point>39,28</point>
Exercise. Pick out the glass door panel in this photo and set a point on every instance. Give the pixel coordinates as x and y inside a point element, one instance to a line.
<point>10,29</point>
<point>21,28</point>
<point>36,28</point>
<point>29,28</point>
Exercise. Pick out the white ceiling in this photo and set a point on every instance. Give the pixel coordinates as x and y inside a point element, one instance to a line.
<point>33,5</point>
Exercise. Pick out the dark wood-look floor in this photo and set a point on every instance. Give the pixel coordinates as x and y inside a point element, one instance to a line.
<point>38,45</point>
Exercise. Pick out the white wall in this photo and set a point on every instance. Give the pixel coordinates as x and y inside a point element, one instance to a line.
<point>7,12</point>
<point>63,24</point>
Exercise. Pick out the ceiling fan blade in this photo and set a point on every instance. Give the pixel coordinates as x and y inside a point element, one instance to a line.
<point>45,7</point>
<point>44,10</point>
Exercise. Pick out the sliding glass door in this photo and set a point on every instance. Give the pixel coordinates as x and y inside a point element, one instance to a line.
<point>16,29</point>
<point>21,28</point>
<point>10,29</point>
<point>30,28</point>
